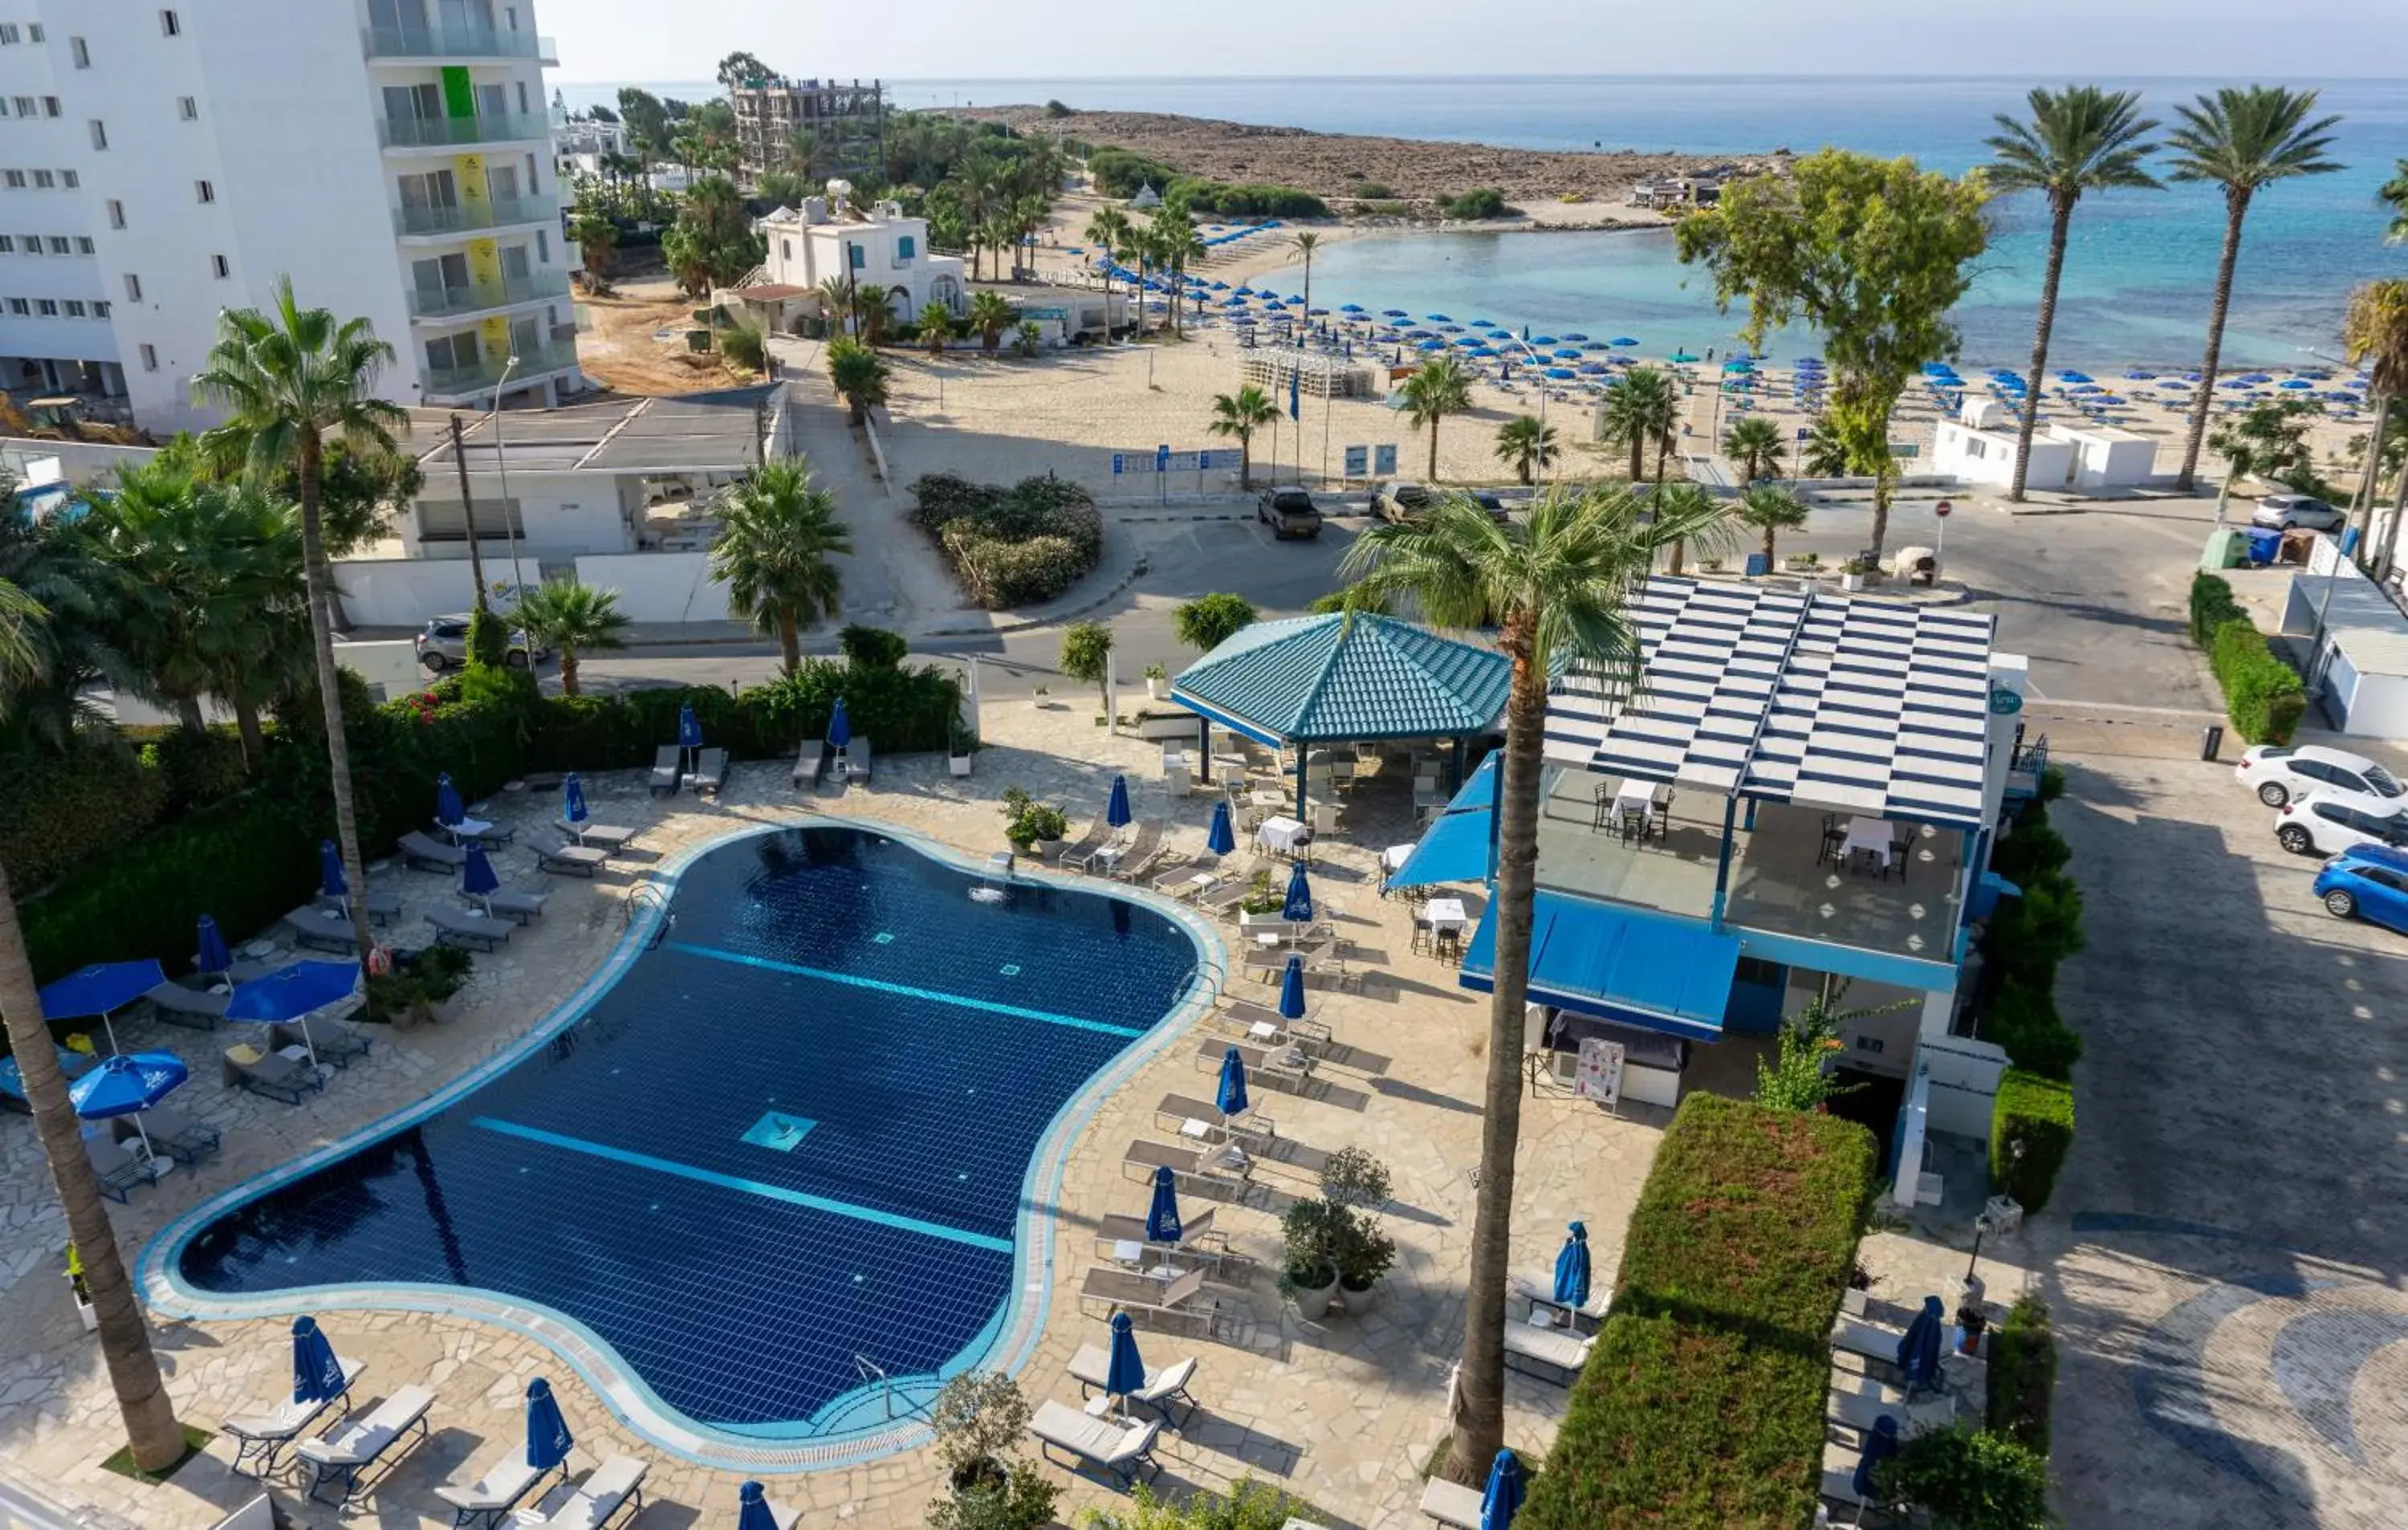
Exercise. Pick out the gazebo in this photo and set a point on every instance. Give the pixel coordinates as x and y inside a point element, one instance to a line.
<point>1344,679</point>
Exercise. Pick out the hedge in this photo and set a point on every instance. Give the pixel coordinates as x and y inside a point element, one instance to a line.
<point>2036,1113</point>
<point>1702,1401</point>
<point>1011,547</point>
<point>1120,173</point>
<point>2023,1371</point>
<point>2262,694</point>
<point>1247,199</point>
<point>2025,940</point>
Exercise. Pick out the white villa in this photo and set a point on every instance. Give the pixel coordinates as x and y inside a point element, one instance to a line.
<point>881,247</point>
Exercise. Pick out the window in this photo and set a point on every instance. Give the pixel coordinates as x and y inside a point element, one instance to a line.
<point>206,191</point>
<point>33,243</point>
<point>904,246</point>
<point>221,267</point>
<point>70,179</point>
<point>150,358</point>
<point>80,52</point>
<point>75,308</point>
<point>27,106</point>
<point>7,244</point>
<point>9,37</point>
<point>132,287</point>
<point>50,106</point>
<point>59,245</point>
<point>856,257</point>
<point>172,25</point>
<point>451,353</point>
<point>188,109</point>
<point>786,248</point>
<point>522,99</point>
<point>542,248</point>
<point>83,244</point>
<point>48,308</point>
<point>44,180</point>
<point>33,32</point>
<point>100,309</point>
<point>116,213</point>
<point>14,179</point>
<point>20,306</point>
<point>99,133</point>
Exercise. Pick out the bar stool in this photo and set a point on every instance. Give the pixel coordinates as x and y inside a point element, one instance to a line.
<point>1425,937</point>
<point>1450,946</point>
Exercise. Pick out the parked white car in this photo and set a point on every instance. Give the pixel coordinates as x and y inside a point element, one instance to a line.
<point>2279,772</point>
<point>2281,512</point>
<point>2326,823</point>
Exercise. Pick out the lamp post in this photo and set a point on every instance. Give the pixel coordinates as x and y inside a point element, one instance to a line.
<point>502,465</point>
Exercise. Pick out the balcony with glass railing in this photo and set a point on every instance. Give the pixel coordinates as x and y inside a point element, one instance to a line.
<point>485,296</point>
<point>457,44</point>
<point>458,131</point>
<point>445,383</point>
<point>502,212</point>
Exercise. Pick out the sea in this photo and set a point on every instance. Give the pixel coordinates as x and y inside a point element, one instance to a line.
<point>2139,273</point>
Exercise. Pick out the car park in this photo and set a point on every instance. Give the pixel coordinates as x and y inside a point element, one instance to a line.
<point>1288,512</point>
<point>2333,822</point>
<point>2278,772</point>
<point>2369,883</point>
<point>2283,512</point>
<point>443,644</point>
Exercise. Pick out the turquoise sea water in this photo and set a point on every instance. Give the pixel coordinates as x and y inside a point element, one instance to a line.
<point>2137,280</point>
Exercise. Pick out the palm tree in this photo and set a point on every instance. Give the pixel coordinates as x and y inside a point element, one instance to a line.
<point>1641,405</point>
<point>1754,443</point>
<point>1109,232</point>
<point>871,310</point>
<point>1825,455</point>
<point>1179,244</point>
<point>2374,336</point>
<point>1684,501</point>
<point>1556,587</point>
<point>2244,140</point>
<point>835,304</point>
<point>2079,139</point>
<point>287,380</point>
<point>573,618</point>
<point>596,237</point>
<point>859,375</point>
<point>1240,415</point>
<point>991,313</point>
<point>775,541</point>
<point>2394,195</point>
<point>1770,509</point>
<point>1440,388</point>
<point>936,327</point>
<point>1306,243</point>
<point>1526,446</point>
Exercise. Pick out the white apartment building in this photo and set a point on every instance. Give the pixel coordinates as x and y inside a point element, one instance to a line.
<point>162,163</point>
<point>580,145</point>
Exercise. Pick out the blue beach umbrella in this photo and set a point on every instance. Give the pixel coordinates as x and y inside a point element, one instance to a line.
<point>127,1085</point>
<point>317,1375</point>
<point>1561,374</point>
<point>1535,340</point>
<point>753,1511</point>
<point>1351,307</point>
<point>1918,1352</point>
<point>476,877</point>
<point>1393,313</point>
<point>1162,1223</point>
<point>1503,1499</point>
<point>330,870</point>
<point>448,809</point>
<point>1436,319</point>
<point>1291,999</point>
<point>211,956</point>
<point>572,799</point>
<point>99,988</point>
<point>2255,378</point>
<point>1593,369</point>
<point>1624,340</point>
<point>547,1436</point>
<point>1483,323</point>
<point>1299,910</point>
<point>1219,838</point>
<point>292,991</point>
<point>1450,329</point>
<point>1572,1267</point>
<point>1571,334</point>
<point>1878,1447</point>
<point>1432,345</point>
<point>1124,1374</point>
<point>2296,382</point>
<point>1116,807</point>
<point>1568,354</point>
<point>840,732</point>
<point>1231,1099</point>
<point>689,727</point>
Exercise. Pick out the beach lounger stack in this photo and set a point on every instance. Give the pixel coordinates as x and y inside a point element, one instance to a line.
<point>344,1454</point>
<point>1164,1385</point>
<point>1123,1449</point>
<point>259,1437</point>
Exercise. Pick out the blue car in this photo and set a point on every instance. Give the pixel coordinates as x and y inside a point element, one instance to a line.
<point>2368,882</point>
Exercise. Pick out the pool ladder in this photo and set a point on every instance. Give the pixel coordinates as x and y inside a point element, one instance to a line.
<point>868,1371</point>
<point>642,896</point>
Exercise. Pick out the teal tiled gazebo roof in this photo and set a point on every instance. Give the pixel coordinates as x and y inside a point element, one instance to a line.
<point>1334,677</point>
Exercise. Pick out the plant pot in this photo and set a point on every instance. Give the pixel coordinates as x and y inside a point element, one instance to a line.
<point>1357,1300</point>
<point>1040,703</point>
<point>1313,1299</point>
<point>1852,581</point>
<point>1049,848</point>
<point>1154,686</point>
<point>986,1475</point>
<point>1021,846</point>
<point>958,764</point>
<point>85,1311</point>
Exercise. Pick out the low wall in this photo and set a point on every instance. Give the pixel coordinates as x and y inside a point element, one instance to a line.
<point>83,462</point>
<point>404,591</point>
<point>655,587</point>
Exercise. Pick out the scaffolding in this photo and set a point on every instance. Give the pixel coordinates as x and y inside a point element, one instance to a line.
<point>847,122</point>
<point>1322,376</point>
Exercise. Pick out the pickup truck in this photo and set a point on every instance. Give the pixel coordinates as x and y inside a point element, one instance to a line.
<point>1289,512</point>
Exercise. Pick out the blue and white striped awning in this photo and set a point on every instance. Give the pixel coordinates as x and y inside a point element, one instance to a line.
<point>1859,705</point>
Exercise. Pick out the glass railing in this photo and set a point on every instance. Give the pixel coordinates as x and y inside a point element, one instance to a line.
<point>451,132</point>
<point>500,213</point>
<point>476,42</point>
<point>453,381</point>
<point>452,301</point>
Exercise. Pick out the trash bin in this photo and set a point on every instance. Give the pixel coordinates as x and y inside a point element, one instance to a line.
<point>2211,739</point>
<point>2265,545</point>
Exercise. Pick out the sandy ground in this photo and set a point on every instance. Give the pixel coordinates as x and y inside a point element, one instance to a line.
<point>621,351</point>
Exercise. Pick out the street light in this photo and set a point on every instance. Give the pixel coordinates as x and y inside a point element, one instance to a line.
<point>502,465</point>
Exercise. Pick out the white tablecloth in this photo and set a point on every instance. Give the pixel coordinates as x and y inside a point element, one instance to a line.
<point>1635,797</point>
<point>1446,914</point>
<point>1867,834</point>
<point>1279,835</point>
<point>1394,856</point>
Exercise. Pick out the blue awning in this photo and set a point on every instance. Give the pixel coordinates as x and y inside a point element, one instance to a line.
<point>1456,847</point>
<point>1622,965</point>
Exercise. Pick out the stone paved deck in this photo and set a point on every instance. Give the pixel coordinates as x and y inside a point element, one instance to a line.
<point>1342,1412</point>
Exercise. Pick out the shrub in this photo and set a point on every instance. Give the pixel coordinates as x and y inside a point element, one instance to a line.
<point>1120,173</point>
<point>62,811</point>
<point>2030,849</point>
<point>746,346</point>
<point>1702,1401</point>
<point>2023,1372</point>
<point>1086,652</point>
<point>1013,547</point>
<point>1966,1479</point>
<point>1056,108</point>
<point>1250,199</point>
<point>197,769</point>
<point>2024,1019</point>
<point>2031,1130</point>
<point>1480,202</point>
<point>2262,694</point>
<point>489,638</point>
<point>1207,622</point>
<point>1375,191</point>
<point>1250,1506</point>
<point>872,648</point>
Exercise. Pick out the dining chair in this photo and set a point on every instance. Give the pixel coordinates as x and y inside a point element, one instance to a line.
<point>1604,795</point>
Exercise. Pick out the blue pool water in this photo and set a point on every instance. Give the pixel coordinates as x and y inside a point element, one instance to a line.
<point>793,1133</point>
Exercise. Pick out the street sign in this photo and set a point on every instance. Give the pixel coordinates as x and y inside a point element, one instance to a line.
<point>1358,461</point>
<point>1384,459</point>
<point>1119,463</point>
<point>1162,459</point>
<point>1942,509</point>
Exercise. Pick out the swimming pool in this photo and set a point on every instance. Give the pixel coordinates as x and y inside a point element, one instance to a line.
<point>788,1147</point>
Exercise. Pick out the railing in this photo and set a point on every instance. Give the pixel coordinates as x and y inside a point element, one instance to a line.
<point>462,218</point>
<point>644,897</point>
<point>477,42</point>
<point>452,132</point>
<point>868,1371</point>
<point>454,302</point>
<point>448,382</point>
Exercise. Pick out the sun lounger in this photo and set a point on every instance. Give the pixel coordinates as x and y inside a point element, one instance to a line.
<point>616,1483</point>
<point>1854,1401</point>
<point>517,907</point>
<point>1188,878</point>
<point>1185,1114</point>
<point>856,761</point>
<point>1209,1170</point>
<point>1267,1027</point>
<point>1451,1504</point>
<point>1197,1240</point>
<point>259,1438</point>
<point>180,1005</point>
<point>258,1514</point>
<point>321,929</point>
<point>609,838</point>
<point>1164,1385</point>
<point>118,1168</point>
<point>811,763</point>
<point>427,855</point>
<point>171,1132</point>
<point>557,855</point>
<point>478,829</point>
<point>1142,851</point>
<point>1270,961</point>
<point>666,761</point>
<point>711,771</point>
<point>327,1039</point>
<point>1085,859</point>
<point>1540,1292</point>
<point>1286,1071</point>
<point>1167,1292</point>
<point>270,1073</point>
<point>1869,1341</point>
<point>1549,1353</point>
<point>1099,833</point>
<point>1123,1449</point>
<point>356,1445</point>
<point>459,927</point>
<point>75,1065</point>
<point>492,1496</point>
<point>1224,896</point>
<point>383,907</point>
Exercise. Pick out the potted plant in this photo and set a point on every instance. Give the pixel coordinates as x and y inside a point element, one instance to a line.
<point>979,1418</point>
<point>1156,679</point>
<point>1308,1273</point>
<point>1854,572</point>
<point>957,754</point>
<point>1264,903</point>
<point>1355,1185</point>
<point>82,1296</point>
<point>1028,821</point>
<point>1039,699</point>
<point>423,989</point>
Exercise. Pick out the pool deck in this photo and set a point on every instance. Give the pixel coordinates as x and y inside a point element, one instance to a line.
<point>1342,1412</point>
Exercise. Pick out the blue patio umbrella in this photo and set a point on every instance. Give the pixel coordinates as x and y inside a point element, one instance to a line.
<point>1162,1223</point>
<point>99,988</point>
<point>476,877</point>
<point>330,870</point>
<point>572,799</point>
<point>1417,335</point>
<point>290,992</point>
<point>2259,379</point>
<point>1568,354</point>
<point>547,1436</point>
<point>1622,340</point>
<point>1231,1099</point>
<point>1878,1447</point>
<point>1245,291</point>
<point>1298,909</point>
<point>1351,307</point>
<point>1116,807</point>
<point>1291,999</point>
<point>127,1085</point>
<point>1561,374</point>
<point>1535,340</point>
<point>1593,369</point>
<point>210,954</point>
<point>1432,345</point>
<point>1571,334</point>
<point>2296,382</point>
<point>1572,1267</point>
<point>1125,1373</point>
<point>1450,329</point>
<point>1483,323</point>
<point>448,809</point>
<point>1918,1352</point>
<point>1436,319</point>
<point>1503,1498</point>
<point>753,1511</point>
<point>317,1375</point>
<point>689,727</point>
<point>1393,313</point>
<point>1219,838</point>
<point>840,732</point>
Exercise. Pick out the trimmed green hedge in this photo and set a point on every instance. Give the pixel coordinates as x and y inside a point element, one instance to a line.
<point>1011,547</point>
<point>2023,1373</point>
<point>2026,938</point>
<point>2036,1113</point>
<point>2262,694</point>
<point>1702,1401</point>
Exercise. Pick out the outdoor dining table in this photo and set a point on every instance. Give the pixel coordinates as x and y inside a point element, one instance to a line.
<point>1869,835</point>
<point>1280,835</point>
<point>1446,914</point>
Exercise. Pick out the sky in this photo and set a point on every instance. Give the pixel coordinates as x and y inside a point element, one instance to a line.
<point>614,40</point>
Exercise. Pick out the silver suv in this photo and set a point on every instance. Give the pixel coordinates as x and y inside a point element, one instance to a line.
<point>443,644</point>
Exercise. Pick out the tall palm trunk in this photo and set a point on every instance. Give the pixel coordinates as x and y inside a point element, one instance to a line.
<point>254,742</point>
<point>2398,515</point>
<point>1480,1421</point>
<point>789,646</point>
<point>2370,481</point>
<point>330,691</point>
<point>1768,564</point>
<point>1679,545</point>
<point>1245,464</point>
<point>187,712</point>
<point>2236,207</point>
<point>1433,472</point>
<point>149,1414</point>
<point>567,671</point>
<point>2060,223</point>
<point>1885,490</point>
